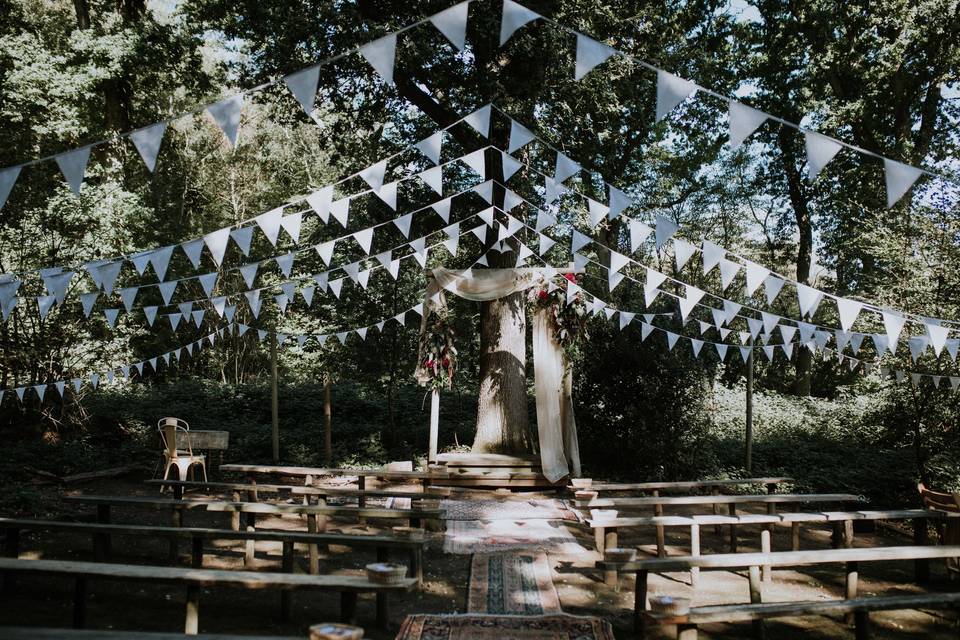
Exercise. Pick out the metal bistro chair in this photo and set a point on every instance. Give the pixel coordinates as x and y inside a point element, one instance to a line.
<point>174,434</point>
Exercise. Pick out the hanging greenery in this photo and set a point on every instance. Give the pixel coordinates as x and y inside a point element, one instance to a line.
<point>437,350</point>
<point>568,315</point>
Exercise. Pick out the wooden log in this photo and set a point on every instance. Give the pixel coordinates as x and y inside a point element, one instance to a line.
<point>640,603</point>
<point>611,577</point>
<point>851,585</point>
<point>848,534</point>
<point>191,622</point>
<point>313,551</point>
<point>715,491</point>
<point>756,596</point>
<point>765,548</point>
<point>695,552</point>
<point>235,516</point>
<point>795,536</point>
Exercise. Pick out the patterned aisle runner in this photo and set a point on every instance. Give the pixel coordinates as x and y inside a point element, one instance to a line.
<point>483,626</point>
<point>512,583</point>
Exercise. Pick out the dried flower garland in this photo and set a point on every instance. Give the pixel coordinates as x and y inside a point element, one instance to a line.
<point>568,315</point>
<point>437,350</point>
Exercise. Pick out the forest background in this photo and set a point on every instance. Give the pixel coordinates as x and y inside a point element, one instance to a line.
<point>879,74</point>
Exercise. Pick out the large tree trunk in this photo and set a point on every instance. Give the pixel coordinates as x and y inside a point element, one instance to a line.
<point>502,400</point>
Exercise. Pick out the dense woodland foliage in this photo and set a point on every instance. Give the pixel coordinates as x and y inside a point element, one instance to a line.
<point>880,75</point>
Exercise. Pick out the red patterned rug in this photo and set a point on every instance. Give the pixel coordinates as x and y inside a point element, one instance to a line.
<point>500,627</point>
<point>512,583</point>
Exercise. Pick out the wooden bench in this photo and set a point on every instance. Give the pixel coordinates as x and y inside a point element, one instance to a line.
<point>424,478</point>
<point>684,485</point>
<point>859,607</point>
<point>102,533</point>
<point>754,561</point>
<point>607,531</point>
<point>253,489</point>
<point>196,579</point>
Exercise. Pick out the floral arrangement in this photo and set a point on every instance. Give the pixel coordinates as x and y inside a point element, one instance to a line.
<point>569,317</point>
<point>438,354</point>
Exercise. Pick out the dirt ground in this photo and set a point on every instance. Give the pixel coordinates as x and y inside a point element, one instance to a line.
<point>133,606</point>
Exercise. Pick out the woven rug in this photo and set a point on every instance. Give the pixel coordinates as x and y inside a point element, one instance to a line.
<point>506,510</point>
<point>512,583</point>
<point>486,536</point>
<point>473,626</point>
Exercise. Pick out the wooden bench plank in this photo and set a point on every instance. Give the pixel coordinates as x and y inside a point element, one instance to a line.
<point>435,493</point>
<point>323,471</point>
<point>682,485</point>
<point>775,498</point>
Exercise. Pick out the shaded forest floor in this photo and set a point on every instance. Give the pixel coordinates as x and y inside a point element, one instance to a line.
<point>47,602</point>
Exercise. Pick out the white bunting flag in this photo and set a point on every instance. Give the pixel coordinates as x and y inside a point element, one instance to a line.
<point>197,318</point>
<point>809,299</point>
<point>770,321</point>
<point>514,17</point>
<point>307,293</point>
<point>590,53</point>
<point>394,269</point>
<point>140,261</point>
<point>147,141</point>
<point>242,238</point>
<point>430,147</point>
<point>856,341</point>
<point>510,165</point>
<point>419,247</point>
<point>626,318</point>
<point>519,136</point>
<point>787,332</point>
<point>899,178</point>
<point>578,241</point>
<point>226,114</point>
<point>820,151</point>
<point>185,308</point>
<point>87,300</point>
<point>340,210</point>
<point>719,317</point>
<point>639,232</point>
<point>249,273</point>
<point>618,261</point>
<point>682,252</point>
<point>772,286</point>
<point>880,343</point>
<point>745,353</point>
<point>128,295</point>
<point>918,344</point>
<point>849,310</point>
<point>335,286</point>
<point>167,290</point>
<point>654,279</point>
<point>285,262</point>
<point>8,177</point>
<point>381,54</point>
<point>721,351</point>
<point>320,202</point>
<point>352,270</point>
<point>893,323</point>
<point>292,225</point>
<point>388,193</point>
<point>216,242</point>
<point>373,175</point>
<point>618,202</point>
<point>111,315</point>
<point>220,306</point>
<point>192,249</point>
<point>452,243</point>
<point>665,228</point>
<point>755,325</point>
<point>480,120</point>
<point>671,340</point>
<point>269,223</point>
<point>442,209</point>
<point>160,260</point>
<point>433,177</point>
<point>303,86</point>
<point>564,168</point>
<point>475,161</point>
<point>938,337</point>
<point>552,190</point>
<point>546,243</point>
<point>744,121</point>
<point>56,283</point>
<point>712,255</point>
<point>730,311</point>
<point>613,279</point>
<point>511,200</point>
<point>282,300</point>
<point>645,330</point>
<point>150,313</point>
<point>544,220</point>
<point>403,224</point>
<point>671,91</point>
<point>598,212</point>
<point>73,166</point>
<point>728,271</point>
<point>364,238</point>
<point>755,276</point>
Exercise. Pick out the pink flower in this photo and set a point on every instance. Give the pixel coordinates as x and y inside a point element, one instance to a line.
<point>571,277</point>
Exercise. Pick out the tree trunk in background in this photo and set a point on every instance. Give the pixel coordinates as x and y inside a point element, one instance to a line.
<point>502,399</point>
<point>799,201</point>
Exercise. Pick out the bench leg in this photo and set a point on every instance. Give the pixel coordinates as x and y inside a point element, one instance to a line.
<point>836,537</point>
<point>795,536</point>
<point>732,510</point>
<point>235,516</point>
<point>383,610</point>
<point>852,586</point>
<point>686,632</point>
<point>756,597</point>
<point>79,603</point>
<point>694,552</point>
<point>196,556</point>
<point>348,607</point>
<point>598,536</point>
<point>192,622</point>
<point>312,549</point>
<point>287,567</point>
<point>765,548</point>
<point>416,566</point>
<point>11,549</point>
<point>848,534</point>
<point>862,625</point>
<point>250,547</point>
<point>715,491</point>
<point>921,568</point>
<point>610,578</point>
<point>640,604</point>
<point>101,543</point>
<point>661,541</point>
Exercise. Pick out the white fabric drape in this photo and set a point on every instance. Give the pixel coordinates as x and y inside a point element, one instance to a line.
<point>556,426</point>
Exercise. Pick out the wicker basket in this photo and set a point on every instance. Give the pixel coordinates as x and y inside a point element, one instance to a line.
<point>603,514</point>
<point>386,572</point>
<point>581,483</point>
<point>332,631</point>
<point>670,605</point>
<point>584,496</point>
<point>619,555</point>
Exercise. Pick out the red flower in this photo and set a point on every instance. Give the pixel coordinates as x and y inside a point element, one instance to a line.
<point>571,277</point>
<point>429,364</point>
<point>446,362</point>
<point>542,294</point>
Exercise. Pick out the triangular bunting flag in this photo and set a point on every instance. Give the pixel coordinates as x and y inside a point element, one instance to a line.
<point>565,168</point>
<point>820,151</point>
<point>665,228</point>
<point>475,161</point>
<point>320,202</point>
<point>772,286</point>
<point>292,224</point>
<point>712,255</point>
<point>899,178</point>
<point>373,175</point>
<point>381,54</point>
<point>671,91</point>
<point>442,209</point>
<point>510,165</point>
<point>514,17</point>
<point>249,273</point>
<point>147,141</point>
<point>73,166</point>
<point>598,211</point>
<point>8,177</point>
<point>433,177</point>
<point>849,310</point>
<point>519,136</point>
<point>303,86</point>
<point>242,238</point>
<point>226,114</point>
<point>340,210</point>
<point>808,299</point>
<point>480,120</point>
<point>755,276</point>
<point>431,146</point>
<point>618,201</point>
<point>744,121</point>
<point>590,53</point>
<point>638,233</point>
<point>403,224</point>
<point>192,249</point>
<point>216,242</point>
<point>364,238</point>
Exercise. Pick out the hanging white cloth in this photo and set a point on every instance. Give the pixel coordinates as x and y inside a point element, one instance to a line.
<point>556,425</point>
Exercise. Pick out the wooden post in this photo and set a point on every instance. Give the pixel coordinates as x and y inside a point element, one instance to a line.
<point>694,552</point>
<point>274,399</point>
<point>661,542</point>
<point>192,621</point>
<point>852,583</point>
<point>748,440</point>
<point>327,422</point>
<point>434,424</point>
<point>756,597</point>
<point>640,604</point>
